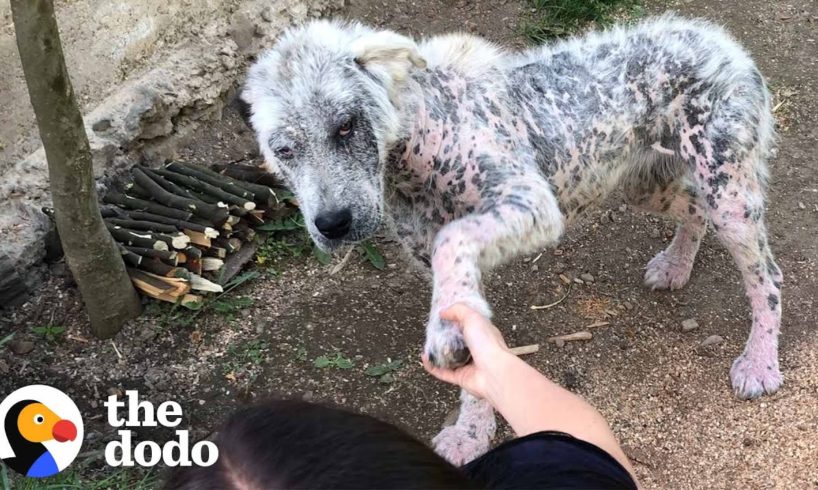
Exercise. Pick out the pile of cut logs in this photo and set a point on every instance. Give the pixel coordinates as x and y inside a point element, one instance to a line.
<point>184,228</point>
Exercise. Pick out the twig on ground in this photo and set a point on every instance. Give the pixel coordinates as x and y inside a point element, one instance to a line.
<point>555,303</point>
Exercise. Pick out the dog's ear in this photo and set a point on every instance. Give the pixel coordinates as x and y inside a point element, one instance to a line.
<point>387,53</point>
<point>244,108</point>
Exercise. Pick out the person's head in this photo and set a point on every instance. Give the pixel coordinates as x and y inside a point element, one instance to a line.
<point>295,444</point>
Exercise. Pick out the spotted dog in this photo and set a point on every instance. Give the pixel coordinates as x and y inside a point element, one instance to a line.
<point>473,156</point>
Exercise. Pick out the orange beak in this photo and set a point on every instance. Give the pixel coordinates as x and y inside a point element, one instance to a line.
<point>64,430</point>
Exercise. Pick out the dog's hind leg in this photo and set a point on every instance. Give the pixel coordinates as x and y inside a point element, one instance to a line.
<point>670,268</point>
<point>727,162</point>
<point>470,437</point>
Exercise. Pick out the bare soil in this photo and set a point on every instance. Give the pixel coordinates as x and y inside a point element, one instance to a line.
<point>667,397</point>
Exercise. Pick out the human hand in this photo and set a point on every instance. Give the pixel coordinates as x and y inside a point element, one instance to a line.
<point>487,347</point>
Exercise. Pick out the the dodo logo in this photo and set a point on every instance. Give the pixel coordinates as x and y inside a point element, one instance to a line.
<point>40,431</point>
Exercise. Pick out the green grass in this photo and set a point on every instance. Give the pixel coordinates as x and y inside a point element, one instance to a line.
<point>77,477</point>
<point>557,18</point>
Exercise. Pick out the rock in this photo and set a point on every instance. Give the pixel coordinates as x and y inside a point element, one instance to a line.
<point>578,280</point>
<point>587,277</point>
<point>689,324</point>
<point>560,343</point>
<point>627,304</point>
<point>801,205</point>
<point>623,208</point>
<point>21,347</point>
<point>535,268</point>
<point>712,340</point>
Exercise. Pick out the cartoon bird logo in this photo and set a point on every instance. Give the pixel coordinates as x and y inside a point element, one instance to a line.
<point>40,443</point>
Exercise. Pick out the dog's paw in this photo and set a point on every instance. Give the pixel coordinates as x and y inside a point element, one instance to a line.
<point>753,377</point>
<point>667,272</point>
<point>458,444</point>
<point>445,346</point>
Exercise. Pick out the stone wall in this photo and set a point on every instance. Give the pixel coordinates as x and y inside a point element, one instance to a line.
<point>146,74</point>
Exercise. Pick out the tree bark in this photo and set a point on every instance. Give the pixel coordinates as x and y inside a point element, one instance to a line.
<point>90,252</point>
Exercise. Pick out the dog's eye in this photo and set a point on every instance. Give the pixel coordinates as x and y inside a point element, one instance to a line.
<point>345,128</point>
<point>284,152</point>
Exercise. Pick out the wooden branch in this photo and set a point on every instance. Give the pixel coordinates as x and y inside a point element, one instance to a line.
<point>216,252</point>
<point>213,213</point>
<point>143,225</point>
<point>249,174</point>
<point>170,256</point>
<point>235,262</point>
<point>209,231</point>
<point>525,349</point>
<point>244,232</point>
<point>224,183</point>
<point>262,194</point>
<point>206,188</point>
<point>137,239</point>
<point>572,337</point>
<point>135,204</point>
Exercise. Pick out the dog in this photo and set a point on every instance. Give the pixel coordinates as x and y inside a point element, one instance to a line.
<point>471,156</point>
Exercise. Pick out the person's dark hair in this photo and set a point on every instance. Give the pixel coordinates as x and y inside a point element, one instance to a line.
<point>295,444</point>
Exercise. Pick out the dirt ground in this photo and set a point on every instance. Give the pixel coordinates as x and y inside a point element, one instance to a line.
<point>667,397</point>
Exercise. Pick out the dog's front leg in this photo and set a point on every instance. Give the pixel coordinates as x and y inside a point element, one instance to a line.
<point>520,219</point>
<point>523,218</point>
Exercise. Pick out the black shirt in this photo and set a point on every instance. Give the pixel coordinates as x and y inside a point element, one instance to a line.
<point>548,460</point>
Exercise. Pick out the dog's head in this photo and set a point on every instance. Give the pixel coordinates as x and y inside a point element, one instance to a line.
<point>323,104</point>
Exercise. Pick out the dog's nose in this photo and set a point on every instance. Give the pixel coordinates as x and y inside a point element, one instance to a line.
<point>334,224</point>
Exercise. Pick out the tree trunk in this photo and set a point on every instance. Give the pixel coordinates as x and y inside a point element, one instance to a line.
<point>90,252</point>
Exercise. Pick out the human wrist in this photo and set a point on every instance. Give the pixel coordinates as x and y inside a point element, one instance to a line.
<point>499,376</point>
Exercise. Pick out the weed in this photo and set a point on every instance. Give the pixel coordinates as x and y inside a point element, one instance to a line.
<point>249,353</point>
<point>228,306</point>
<point>49,332</point>
<point>557,18</point>
<point>384,371</point>
<point>339,361</point>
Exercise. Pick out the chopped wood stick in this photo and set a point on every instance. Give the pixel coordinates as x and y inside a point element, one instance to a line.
<point>584,335</point>
<point>237,211</point>
<point>228,244</point>
<point>199,283</point>
<point>149,284</point>
<point>244,232</point>
<point>191,301</point>
<point>155,266</point>
<point>255,218</point>
<point>206,188</point>
<point>233,220</point>
<point>210,212</point>
<point>176,240</point>
<point>142,225</point>
<point>136,190</point>
<point>217,252</point>
<point>525,349</point>
<point>179,190</point>
<point>227,229</point>
<point>194,265</point>
<point>209,231</point>
<point>235,262</point>
<point>197,238</point>
<point>137,239</point>
<point>129,202</point>
<point>262,193</point>
<point>168,255</point>
<point>235,244</point>
<point>112,212</point>
<point>222,182</point>
<point>246,173</point>
<point>193,252</point>
<point>212,264</point>
<point>181,257</point>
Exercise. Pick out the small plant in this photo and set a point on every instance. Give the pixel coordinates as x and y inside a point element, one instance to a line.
<point>229,306</point>
<point>557,18</point>
<point>48,332</point>
<point>384,371</point>
<point>301,353</point>
<point>372,255</point>
<point>339,361</point>
<point>7,339</point>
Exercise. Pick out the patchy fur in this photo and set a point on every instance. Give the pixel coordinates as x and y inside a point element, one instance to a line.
<point>474,156</point>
